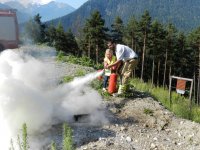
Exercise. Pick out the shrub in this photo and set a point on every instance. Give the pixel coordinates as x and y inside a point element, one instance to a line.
<point>84,60</point>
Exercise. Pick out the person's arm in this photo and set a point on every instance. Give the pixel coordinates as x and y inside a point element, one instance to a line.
<point>114,64</point>
<point>105,65</point>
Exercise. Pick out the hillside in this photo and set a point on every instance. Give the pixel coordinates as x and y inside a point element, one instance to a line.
<point>135,123</point>
<point>2,6</point>
<point>52,10</point>
<point>184,14</point>
<point>47,11</point>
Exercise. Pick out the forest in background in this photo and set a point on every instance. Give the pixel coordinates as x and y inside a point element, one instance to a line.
<point>163,49</point>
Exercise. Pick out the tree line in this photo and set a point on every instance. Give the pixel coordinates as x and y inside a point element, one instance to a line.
<point>163,50</point>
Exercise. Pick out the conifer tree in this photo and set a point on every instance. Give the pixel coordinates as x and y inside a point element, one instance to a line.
<point>42,28</point>
<point>144,26</point>
<point>131,32</point>
<point>72,45</point>
<point>180,58</point>
<point>170,45</point>
<point>95,35</point>
<point>156,46</point>
<point>51,32</point>
<point>60,39</point>
<point>35,29</point>
<point>117,30</point>
<point>194,39</point>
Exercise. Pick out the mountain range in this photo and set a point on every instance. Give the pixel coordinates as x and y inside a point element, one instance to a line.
<point>184,14</point>
<point>47,11</point>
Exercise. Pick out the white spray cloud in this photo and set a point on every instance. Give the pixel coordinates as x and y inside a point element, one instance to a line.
<point>27,96</point>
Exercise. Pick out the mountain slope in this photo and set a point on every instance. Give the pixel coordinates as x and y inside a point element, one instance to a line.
<point>2,6</point>
<point>53,10</point>
<point>184,14</point>
<point>47,11</point>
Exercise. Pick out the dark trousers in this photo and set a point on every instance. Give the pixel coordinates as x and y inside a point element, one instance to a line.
<point>105,81</point>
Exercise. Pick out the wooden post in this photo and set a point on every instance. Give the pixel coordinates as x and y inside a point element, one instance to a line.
<point>191,98</point>
<point>170,84</point>
<point>191,86</point>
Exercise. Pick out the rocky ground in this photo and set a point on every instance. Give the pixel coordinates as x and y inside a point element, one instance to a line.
<point>131,127</point>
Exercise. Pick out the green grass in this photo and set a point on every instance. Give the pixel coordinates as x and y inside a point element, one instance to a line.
<point>67,79</point>
<point>53,145</point>
<point>83,61</point>
<point>148,111</point>
<point>78,73</point>
<point>179,106</point>
<point>24,145</point>
<point>97,85</point>
<point>67,138</point>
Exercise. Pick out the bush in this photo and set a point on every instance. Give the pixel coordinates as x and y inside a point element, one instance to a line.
<point>84,61</point>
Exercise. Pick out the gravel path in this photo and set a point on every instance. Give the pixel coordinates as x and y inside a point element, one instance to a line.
<point>130,128</point>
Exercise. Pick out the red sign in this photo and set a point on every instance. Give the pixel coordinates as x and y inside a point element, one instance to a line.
<point>180,85</point>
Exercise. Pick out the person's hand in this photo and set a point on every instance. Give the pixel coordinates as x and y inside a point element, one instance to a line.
<point>113,68</point>
<point>108,67</point>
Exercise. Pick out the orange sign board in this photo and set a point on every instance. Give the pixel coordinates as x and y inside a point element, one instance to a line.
<point>180,85</point>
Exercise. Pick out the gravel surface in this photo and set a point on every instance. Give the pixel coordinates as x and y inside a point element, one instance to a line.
<point>130,128</point>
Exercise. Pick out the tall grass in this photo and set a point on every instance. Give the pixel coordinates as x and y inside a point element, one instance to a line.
<point>67,138</point>
<point>24,137</point>
<point>53,145</point>
<point>23,145</point>
<point>180,105</point>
